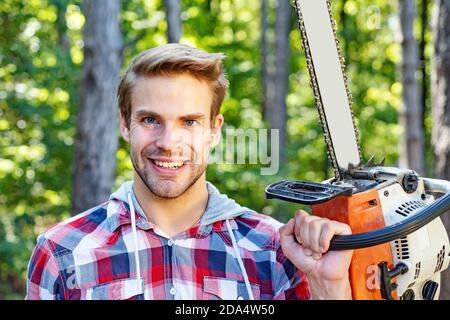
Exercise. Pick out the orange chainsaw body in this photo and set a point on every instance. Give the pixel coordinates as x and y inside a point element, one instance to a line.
<point>362,212</point>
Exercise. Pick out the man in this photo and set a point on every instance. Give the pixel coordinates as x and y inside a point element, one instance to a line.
<point>170,234</point>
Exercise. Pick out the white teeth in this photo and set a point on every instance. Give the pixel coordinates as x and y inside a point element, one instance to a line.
<point>170,165</point>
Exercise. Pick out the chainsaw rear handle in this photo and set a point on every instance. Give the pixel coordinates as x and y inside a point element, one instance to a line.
<point>403,228</point>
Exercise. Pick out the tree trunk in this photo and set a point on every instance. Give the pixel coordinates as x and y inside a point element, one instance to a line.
<point>266,63</point>
<point>173,20</point>
<point>440,90</point>
<point>412,150</point>
<point>277,115</point>
<point>96,137</point>
<point>424,62</point>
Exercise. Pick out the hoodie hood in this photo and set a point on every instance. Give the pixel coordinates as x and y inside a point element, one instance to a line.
<point>218,208</point>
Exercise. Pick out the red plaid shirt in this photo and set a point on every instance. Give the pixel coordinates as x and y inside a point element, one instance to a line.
<point>92,256</point>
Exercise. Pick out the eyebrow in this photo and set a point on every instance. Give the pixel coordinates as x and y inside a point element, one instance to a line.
<point>195,116</point>
<point>146,113</point>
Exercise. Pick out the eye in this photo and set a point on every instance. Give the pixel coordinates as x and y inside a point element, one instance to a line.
<point>190,122</point>
<point>149,120</point>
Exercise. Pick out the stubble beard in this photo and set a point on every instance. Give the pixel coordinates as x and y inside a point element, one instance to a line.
<point>165,187</point>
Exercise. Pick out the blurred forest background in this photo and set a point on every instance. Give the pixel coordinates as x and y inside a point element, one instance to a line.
<point>60,62</point>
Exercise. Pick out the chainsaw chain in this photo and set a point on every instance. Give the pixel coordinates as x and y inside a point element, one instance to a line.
<point>314,85</point>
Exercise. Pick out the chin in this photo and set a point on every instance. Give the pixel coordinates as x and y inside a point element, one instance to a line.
<point>167,189</point>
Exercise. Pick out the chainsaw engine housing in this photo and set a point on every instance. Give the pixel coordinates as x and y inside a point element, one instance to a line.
<point>406,268</point>
<point>424,252</point>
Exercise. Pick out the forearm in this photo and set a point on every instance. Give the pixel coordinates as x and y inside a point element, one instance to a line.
<point>330,290</point>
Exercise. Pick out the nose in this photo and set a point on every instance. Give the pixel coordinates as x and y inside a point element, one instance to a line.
<point>169,138</point>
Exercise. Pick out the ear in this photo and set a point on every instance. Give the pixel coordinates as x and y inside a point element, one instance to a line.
<point>124,130</point>
<point>216,130</point>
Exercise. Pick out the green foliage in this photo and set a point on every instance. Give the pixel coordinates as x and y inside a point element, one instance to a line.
<point>38,89</point>
<point>39,84</point>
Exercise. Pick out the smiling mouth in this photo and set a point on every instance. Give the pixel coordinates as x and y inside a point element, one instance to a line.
<point>173,165</point>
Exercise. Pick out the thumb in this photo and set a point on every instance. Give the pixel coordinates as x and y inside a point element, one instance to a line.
<point>287,233</point>
<point>292,250</point>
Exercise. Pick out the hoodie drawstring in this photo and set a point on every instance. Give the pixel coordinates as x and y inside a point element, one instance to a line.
<point>238,257</point>
<point>136,249</point>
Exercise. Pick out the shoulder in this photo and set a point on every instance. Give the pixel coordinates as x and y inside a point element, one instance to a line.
<point>260,222</point>
<point>259,229</point>
<point>88,229</point>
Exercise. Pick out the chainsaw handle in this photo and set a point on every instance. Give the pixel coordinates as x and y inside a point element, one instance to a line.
<point>403,228</point>
<point>436,185</point>
<point>305,192</point>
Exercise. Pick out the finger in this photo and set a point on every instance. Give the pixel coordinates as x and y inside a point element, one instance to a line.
<point>329,230</point>
<point>297,215</point>
<point>342,228</point>
<point>287,233</point>
<point>302,223</point>
<point>315,230</point>
<point>297,223</point>
<point>325,237</point>
<point>301,213</point>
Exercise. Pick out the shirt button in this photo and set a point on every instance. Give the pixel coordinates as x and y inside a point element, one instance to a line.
<point>240,298</point>
<point>173,291</point>
<point>170,242</point>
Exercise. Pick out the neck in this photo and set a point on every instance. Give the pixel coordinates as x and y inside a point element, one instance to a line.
<point>173,215</point>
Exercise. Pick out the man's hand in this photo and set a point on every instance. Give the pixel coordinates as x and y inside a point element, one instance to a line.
<point>305,241</point>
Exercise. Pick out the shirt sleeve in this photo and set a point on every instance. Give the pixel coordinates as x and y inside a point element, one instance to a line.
<point>289,282</point>
<point>44,280</point>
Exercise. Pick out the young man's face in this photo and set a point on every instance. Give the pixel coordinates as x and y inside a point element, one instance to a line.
<point>170,132</point>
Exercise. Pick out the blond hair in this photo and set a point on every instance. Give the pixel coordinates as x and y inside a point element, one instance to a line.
<point>172,59</point>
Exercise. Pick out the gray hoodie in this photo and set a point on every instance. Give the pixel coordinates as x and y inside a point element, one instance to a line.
<point>219,207</point>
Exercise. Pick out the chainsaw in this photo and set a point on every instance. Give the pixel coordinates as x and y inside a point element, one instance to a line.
<point>400,244</point>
